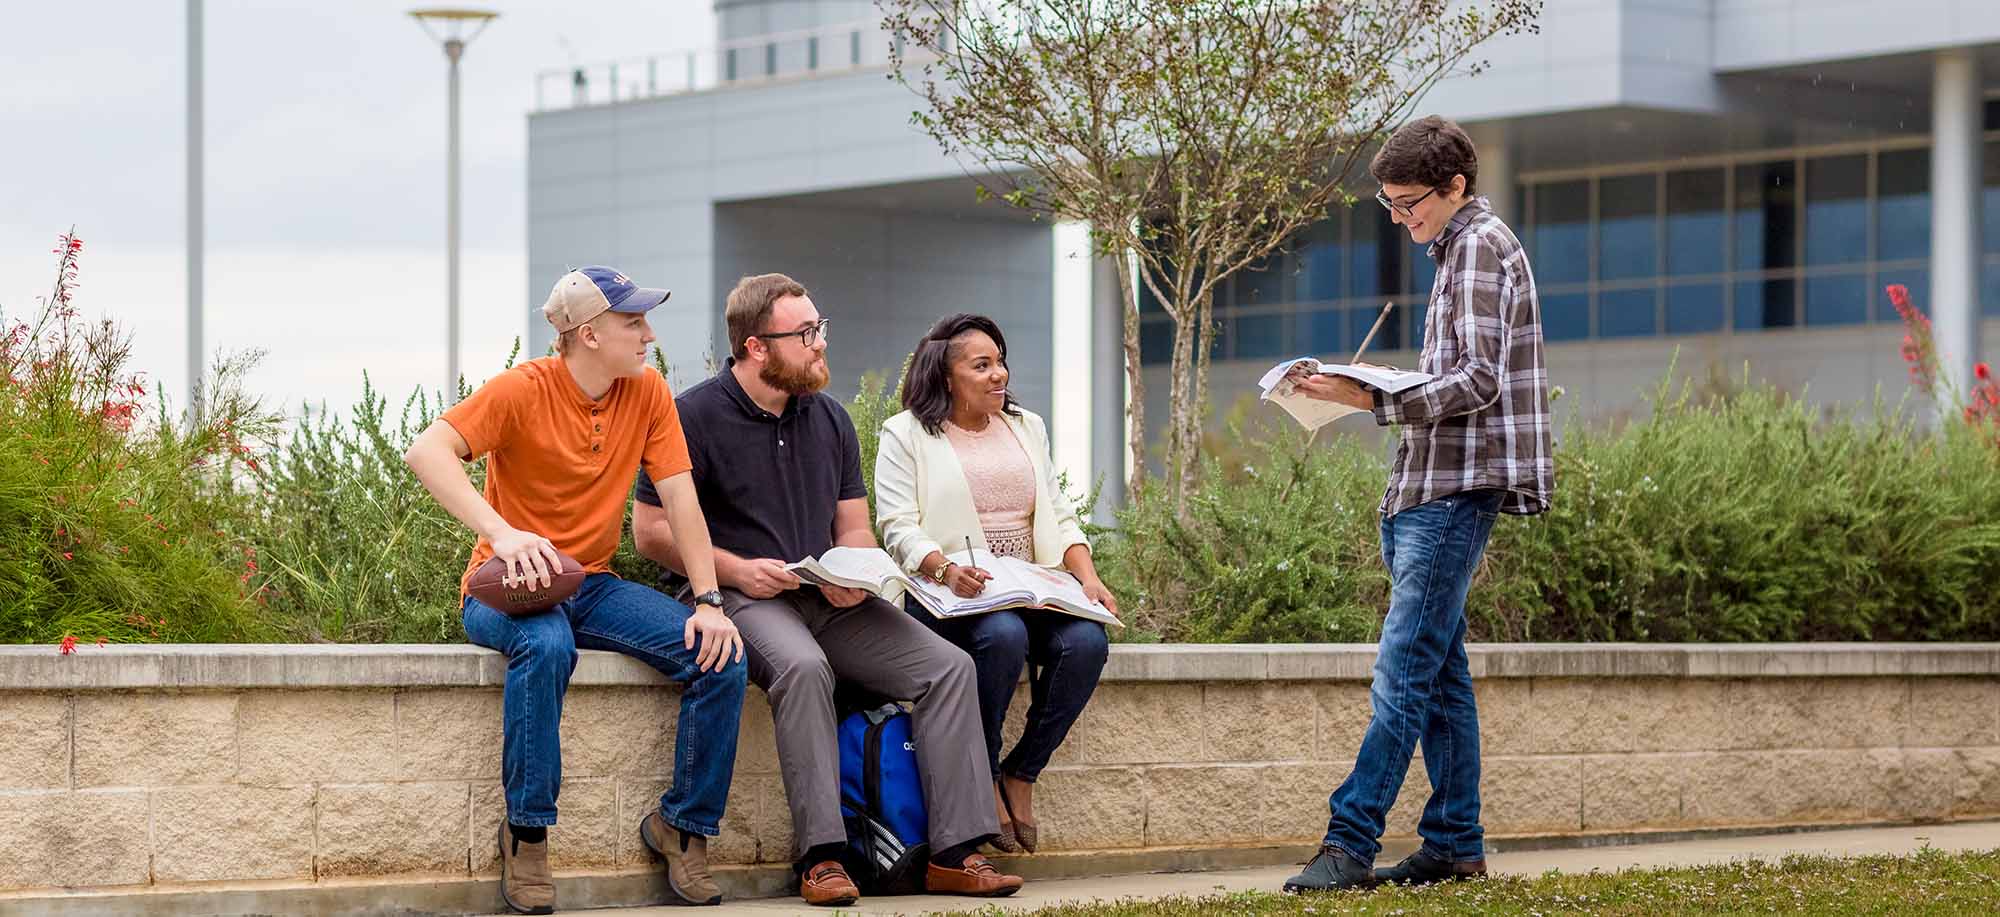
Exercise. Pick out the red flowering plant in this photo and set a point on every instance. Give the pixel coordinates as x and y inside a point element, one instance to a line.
<point>1981,405</point>
<point>114,508</point>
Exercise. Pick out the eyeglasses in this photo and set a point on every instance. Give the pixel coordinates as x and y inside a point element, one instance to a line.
<point>808,336</point>
<point>1407,210</point>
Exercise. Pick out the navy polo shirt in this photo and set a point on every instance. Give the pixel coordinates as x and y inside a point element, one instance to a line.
<point>768,482</point>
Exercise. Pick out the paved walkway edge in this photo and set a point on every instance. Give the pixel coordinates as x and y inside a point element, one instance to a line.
<point>420,895</point>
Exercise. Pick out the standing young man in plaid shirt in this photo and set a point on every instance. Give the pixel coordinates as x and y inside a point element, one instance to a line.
<point>1475,443</point>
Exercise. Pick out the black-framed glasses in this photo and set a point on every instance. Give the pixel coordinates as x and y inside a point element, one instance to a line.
<point>808,336</point>
<point>1407,210</point>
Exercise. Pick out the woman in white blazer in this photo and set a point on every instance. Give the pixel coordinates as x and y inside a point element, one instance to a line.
<point>964,462</point>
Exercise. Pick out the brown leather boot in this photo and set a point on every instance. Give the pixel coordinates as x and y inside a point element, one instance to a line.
<point>975,877</point>
<point>827,885</point>
<point>686,856</point>
<point>525,882</point>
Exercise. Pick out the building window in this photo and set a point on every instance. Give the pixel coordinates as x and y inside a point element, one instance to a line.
<point>1627,313</point>
<point>1324,331</point>
<point>1261,336</point>
<point>1261,284</point>
<point>1627,224</point>
<point>1156,342</point>
<point>1560,237</point>
<point>1766,304</point>
<point>1837,299</point>
<point>1695,226</point>
<point>1566,316</point>
<point>1318,258</point>
<point>1766,217</point>
<point>1903,205</point>
<point>1837,210</point>
<point>1694,308</point>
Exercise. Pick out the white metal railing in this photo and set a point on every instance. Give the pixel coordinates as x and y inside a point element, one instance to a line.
<point>839,48</point>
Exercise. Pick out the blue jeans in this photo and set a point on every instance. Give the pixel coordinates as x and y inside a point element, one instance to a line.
<point>1423,685</point>
<point>608,613</point>
<point>1068,653</point>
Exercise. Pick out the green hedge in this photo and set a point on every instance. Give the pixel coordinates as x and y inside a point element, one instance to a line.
<point>1744,517</point>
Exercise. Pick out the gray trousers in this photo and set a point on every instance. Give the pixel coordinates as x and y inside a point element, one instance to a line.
<point>798,643</point>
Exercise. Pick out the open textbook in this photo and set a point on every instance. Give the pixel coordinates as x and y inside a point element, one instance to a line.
<point>1015,583</point>
<point>1314,414</point>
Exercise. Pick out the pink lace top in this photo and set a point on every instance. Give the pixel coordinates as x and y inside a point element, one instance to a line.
<point>1002,478</point>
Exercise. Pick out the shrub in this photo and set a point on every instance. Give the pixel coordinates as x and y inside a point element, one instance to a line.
<point>116,524</point>
<point>1747,518</point>
<point>354,548</point>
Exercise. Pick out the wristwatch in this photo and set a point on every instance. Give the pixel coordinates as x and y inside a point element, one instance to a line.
<point>939,573</point>
<point>711,597</point>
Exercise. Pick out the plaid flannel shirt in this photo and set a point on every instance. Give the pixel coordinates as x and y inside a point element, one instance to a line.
<point>1483,423</point>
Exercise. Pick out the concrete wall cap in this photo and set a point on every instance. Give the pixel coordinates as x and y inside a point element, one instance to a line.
<point>213,666</point>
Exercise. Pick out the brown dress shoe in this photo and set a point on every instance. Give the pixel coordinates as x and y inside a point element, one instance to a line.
<point>827,885</point>
<point>976,877</point>
<point>686,856</point>
<point>525,882</point>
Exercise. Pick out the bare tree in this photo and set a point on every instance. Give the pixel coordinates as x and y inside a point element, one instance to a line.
<point>1195,137</point>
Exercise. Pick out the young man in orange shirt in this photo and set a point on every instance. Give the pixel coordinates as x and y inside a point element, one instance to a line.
<point>563,436</point>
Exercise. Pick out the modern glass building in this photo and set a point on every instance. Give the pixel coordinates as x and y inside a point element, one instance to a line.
<point>1744,243</point>
<point>1701,184</point>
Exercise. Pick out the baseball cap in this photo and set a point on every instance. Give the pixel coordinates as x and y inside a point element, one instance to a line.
<point>585,293</point>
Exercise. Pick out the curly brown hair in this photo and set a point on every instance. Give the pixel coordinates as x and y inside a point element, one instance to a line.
<point>1427,152</point>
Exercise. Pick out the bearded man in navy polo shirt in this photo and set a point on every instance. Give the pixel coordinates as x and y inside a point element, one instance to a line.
<point>778,469</point>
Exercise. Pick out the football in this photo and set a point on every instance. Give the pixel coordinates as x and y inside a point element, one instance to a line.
<point>489,587</point>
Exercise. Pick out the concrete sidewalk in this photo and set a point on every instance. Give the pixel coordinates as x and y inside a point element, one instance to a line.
<point>1845,843</point>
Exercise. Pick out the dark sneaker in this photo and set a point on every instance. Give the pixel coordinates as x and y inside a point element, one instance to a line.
<point>525,882</point>
<point>1332,870</point>
<point>686,856</point>
<point>1425,868</point>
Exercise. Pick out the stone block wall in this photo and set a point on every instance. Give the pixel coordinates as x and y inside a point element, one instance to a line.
<point>143,769</point>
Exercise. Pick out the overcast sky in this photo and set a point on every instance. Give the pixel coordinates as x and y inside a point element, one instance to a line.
<point>325,163</point>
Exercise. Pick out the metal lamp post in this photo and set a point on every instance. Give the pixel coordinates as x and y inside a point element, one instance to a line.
<point>455,28</point>
<point>194,211</point>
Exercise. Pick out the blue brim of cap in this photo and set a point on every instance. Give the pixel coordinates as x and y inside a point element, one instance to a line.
<point>641,299</point>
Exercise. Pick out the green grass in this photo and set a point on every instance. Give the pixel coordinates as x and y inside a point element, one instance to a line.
<point>1927,882</point>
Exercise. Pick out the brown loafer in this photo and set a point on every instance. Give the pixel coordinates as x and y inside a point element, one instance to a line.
<point>827,885</point>
<point>686,856</point>
<point>976,877</point>
<point>525,882</point>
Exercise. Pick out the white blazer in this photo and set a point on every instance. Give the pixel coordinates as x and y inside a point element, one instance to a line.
<point>923,503</point>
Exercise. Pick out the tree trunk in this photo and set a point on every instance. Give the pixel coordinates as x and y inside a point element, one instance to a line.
<point>1135,378</point>
<point>1180,398</point>
<point>1204,346</point>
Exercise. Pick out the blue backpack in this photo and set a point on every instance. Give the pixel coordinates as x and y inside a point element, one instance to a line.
<point>882,802</point>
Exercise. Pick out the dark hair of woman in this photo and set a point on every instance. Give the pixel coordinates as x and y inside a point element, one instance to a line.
<point>927,383</point>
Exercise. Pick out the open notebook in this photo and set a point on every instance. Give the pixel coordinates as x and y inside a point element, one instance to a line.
<point>1015,584</point>
<point>1311,413</point>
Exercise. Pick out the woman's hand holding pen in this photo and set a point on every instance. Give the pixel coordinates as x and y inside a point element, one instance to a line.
<point>965,581</point>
